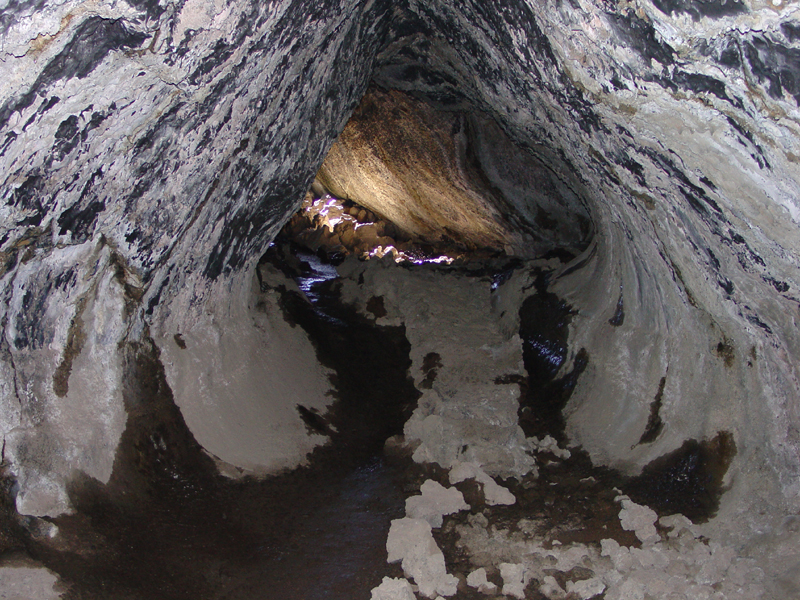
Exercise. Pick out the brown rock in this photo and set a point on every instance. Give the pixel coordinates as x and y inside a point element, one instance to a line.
<point>427,189</point>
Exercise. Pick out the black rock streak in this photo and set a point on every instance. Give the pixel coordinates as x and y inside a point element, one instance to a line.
<point>93,40</point>
<point>641,37</point>
<point>776,66</point>
<point>713,9</point>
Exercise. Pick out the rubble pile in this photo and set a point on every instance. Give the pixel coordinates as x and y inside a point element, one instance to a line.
<point>337,227</point>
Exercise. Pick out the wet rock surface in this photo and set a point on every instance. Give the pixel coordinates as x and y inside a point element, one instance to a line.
<point>552,525</point>
<point>572,535</point>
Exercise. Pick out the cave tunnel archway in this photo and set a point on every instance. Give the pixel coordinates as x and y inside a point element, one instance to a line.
<point>152,152</point>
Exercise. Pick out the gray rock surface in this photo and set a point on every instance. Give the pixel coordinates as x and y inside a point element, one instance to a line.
<point>141,152</point>
<point>586,588</point>
<point>493,492</point>
<point>434,502</point>
<point>477,579</point>
<point>26,582</point>
<point>639,519</point>
<point>412,545</point>
<point>465,415</point>
<point>513,575</point>
<point>683,565</point>
<point>227,373</point>
<point>393,589</point>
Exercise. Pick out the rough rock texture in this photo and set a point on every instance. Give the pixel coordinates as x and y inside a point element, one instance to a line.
<point>586,588</point>
<point>154,150</point>
<point>463,344</point>
<point>411,544</point>
<point>513,575</point>
<point>639,519</point>
<point>492,492</point>
<point>477,579</point>
<point>24,582</point>
<point>149,151</point>
<point>681,564</point>
<point>71,420</point>
<point>434,502</point>
<point>393,589</point>
<point>441,174</point>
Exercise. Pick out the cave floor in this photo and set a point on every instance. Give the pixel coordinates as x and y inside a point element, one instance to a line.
<point>168,526</point>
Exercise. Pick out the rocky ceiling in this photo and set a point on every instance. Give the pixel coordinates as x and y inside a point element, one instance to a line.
<point>453,174</point>
<point>150,151</point>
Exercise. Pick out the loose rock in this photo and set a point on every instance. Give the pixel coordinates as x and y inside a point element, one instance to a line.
<point>411,543</point>
<point>435,501</point>
<point>513,579</point>
<point>478,580</point>
<point>639,519</point>
<point>393,589</point>
<point>492,491</point>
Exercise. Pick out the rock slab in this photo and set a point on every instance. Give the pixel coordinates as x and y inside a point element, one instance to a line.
<point>411,543</point>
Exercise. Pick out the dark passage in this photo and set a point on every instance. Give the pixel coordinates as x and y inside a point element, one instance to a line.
<point>544,320</point>
<point>376,395</point>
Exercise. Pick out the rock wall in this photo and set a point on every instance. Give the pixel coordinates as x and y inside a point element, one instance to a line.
<point>676,123</point>
<point>239,378</point>
<point>150,151</point>
<point>439,174</point>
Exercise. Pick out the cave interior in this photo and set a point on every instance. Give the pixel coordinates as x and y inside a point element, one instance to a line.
<point>426,299</point>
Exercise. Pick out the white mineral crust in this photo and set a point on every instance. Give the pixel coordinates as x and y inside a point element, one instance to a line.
<point>411,543</point>
<point>478,580</point>
<point>393,589</point>
<point>639,519</point>
<point>492,491</point>
<point>435,502</point>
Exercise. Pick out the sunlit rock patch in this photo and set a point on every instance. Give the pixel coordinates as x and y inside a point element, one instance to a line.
<point>451,175</point>
<point>336,228</point>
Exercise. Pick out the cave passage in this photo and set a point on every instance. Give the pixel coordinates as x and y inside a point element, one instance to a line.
<point>319,532</point>
<point>364,269</point>
<point>566,367</point>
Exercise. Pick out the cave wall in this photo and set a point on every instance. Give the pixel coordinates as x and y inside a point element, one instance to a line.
<point>452,174</point>
<point>151,151</point>
<point>680,119</point>
<point>240,379</point>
